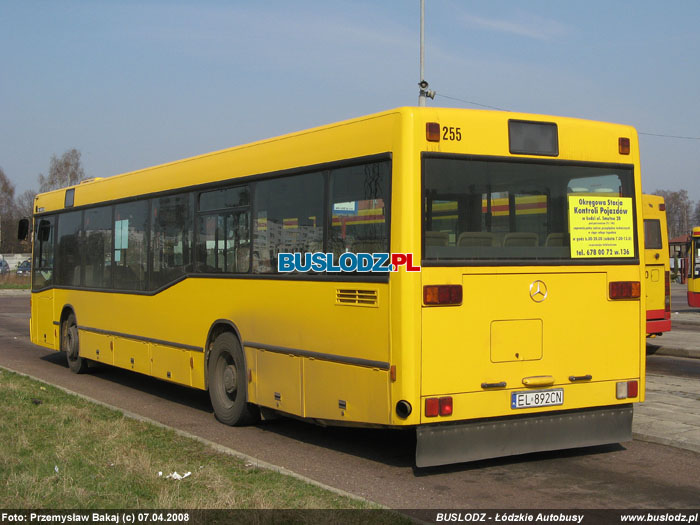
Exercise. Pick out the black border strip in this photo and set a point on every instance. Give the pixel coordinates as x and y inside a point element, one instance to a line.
<point>382,365</point>
<point>223,183</point>
<point>139,338</point>
<point>312,277</point>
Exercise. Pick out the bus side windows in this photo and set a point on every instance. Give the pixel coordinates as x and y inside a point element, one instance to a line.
<point>69,249</point>
<point>171,239</point>
<point>359,215</point>
<point>223,231</point>
<point>130,248</point>
<point>288,218</point>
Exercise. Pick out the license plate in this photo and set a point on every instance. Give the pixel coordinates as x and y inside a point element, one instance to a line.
<point>537,398</point>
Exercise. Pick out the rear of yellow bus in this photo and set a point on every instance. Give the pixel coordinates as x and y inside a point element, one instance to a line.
<point>657,267</point>
<point>532,310</point>
<point>694,269</point>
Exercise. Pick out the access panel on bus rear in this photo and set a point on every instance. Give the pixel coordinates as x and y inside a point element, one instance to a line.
<point>516,329</point>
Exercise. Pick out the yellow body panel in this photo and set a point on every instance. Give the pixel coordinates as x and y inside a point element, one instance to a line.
<point>418,351</point>
<point>656,259</point>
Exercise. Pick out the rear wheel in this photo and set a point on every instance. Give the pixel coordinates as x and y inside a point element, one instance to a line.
<point>70,344</point>
<point>227,383</point>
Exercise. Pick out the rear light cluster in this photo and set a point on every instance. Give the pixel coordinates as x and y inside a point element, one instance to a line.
<point>438,406</point>
<point>442,295</point>
<point>625,290</point>
<point>623,145</point>
<point>627,389</point>
<point>432,131</point>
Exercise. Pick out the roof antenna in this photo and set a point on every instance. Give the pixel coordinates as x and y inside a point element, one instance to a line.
<point>423,84</point>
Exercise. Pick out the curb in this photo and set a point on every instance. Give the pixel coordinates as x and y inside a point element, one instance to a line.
<point>676,352</point>
<point>638,436</point>
<point>250,460</point>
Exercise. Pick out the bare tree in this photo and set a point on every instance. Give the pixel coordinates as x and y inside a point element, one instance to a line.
<point>678,211</point>
<point>65,170</point>
<point>8,214</point>
<point>696,215</point>
<point>25,203</point>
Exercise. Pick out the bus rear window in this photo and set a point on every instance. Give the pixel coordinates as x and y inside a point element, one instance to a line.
<point>496,209</point>
<point>652,234</point>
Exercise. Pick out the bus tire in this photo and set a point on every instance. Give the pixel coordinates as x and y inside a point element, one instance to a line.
<point>70,344</point>
<point>227,382</point>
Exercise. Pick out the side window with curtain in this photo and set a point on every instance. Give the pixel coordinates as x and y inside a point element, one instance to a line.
<point>171,239</point>
<point>130,245</point>
<point>98,247</point>
<point>223,231</point>
<point>69,249</point>
<point>43,271</point>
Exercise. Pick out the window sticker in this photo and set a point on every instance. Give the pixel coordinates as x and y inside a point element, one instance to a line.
<point>601,226</point>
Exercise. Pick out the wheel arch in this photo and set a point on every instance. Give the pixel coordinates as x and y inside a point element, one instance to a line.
<point>217,328</point>
<point>65,312</point>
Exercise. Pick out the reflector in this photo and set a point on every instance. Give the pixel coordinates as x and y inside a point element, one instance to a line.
<point>632,388</point>
<point>432,407</point>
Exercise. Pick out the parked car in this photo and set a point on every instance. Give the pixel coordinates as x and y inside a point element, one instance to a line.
<point>4,267</point>
<point>24,269</point>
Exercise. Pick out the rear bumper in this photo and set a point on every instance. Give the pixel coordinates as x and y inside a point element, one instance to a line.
<point>490,438</point>
<point>656,327</point>
<point>693,298</point>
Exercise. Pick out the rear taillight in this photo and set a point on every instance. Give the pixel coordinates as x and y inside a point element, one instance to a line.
<point>625,290</point>
<point>445,406</point>
<point>442,294</point>
<point>627,389</point>
<point>441,406</point>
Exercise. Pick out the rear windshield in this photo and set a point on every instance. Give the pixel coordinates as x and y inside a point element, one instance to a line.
<point>480,209</point>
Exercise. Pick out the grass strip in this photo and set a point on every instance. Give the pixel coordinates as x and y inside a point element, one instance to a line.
<point>61,451</point>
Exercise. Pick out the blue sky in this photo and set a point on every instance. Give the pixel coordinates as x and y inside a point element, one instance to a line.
<point>137,83</point>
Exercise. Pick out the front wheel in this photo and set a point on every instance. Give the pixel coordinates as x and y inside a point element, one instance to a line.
<point>70,344</point>
<point>227,383</point>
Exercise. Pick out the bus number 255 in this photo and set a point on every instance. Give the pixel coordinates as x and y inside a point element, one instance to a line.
<point>451,133</point>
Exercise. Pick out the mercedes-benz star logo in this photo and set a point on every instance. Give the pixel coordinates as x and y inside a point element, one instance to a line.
<point>538,291</point>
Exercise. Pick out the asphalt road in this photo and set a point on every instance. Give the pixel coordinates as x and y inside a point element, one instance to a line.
<point>378,464</point>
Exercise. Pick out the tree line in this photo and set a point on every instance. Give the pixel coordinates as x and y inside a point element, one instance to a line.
<point>682,214</point>
<point>63,171</point>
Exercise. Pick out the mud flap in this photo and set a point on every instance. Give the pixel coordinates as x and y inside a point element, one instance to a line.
<point>491,438</point>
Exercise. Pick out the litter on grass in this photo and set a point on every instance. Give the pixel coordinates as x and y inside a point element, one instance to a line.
<point>176,476</point>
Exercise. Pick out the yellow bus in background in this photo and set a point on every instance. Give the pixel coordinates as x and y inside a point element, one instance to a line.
<point>523,330</point>
<point>657,267</point>
<point>694,269</point>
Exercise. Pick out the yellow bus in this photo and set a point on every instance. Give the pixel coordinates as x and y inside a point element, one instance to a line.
<point>521,332</point>
<point>694,269</point>
<point>657,266</point>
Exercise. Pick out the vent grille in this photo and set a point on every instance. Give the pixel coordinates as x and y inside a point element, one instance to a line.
<point>349,297</point>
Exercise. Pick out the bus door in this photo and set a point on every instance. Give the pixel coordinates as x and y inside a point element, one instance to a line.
<point>44,332</point>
